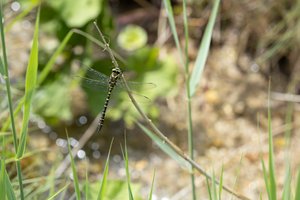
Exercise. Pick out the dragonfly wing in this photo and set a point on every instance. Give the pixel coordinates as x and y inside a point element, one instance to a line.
<point>93,74</point>
<point>97,85</point>
<point>136,85</point>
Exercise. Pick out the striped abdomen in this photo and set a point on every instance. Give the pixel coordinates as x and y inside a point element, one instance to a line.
<point>115,75</point>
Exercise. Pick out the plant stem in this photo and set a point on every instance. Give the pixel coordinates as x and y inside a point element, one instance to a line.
<point>11,111</point>
<point>189,101</point>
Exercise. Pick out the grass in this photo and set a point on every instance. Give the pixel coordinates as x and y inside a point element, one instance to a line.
<point>24,188</point>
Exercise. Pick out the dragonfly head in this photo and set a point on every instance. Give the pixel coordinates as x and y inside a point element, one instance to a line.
<point>116,72</point>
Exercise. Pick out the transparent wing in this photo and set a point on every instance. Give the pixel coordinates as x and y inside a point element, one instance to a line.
<point>136,85</point>
<point>98,85</point>
<point>94,74</point>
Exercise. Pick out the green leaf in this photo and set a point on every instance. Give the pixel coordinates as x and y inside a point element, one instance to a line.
<point>169,10</point>
<point>297,196</point>
<point>272,178</point>
<point>125,156</point>
<point>53,101</point>
<point>77,13</point>
<point>132,37</point>
<point>1,68</point>
<point>152,186</point>
<point>203,50</point>
<point>30,85</point>
<point>74,172</point>
<point>58,192</point>
<point>115,189</point>
<point>9,189</point>
<point>103,183</point>
<point>2,180</point>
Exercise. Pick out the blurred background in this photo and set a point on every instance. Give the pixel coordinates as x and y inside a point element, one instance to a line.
<point>253,42</point>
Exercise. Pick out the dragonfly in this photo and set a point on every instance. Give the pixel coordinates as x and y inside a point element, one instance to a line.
<point>100,82</point>
<point>95,78</point>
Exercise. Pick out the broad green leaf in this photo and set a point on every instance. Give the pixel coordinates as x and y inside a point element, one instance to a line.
<point>203,50</point>
<point>30,86</point>
<point>132,37</point>
<point>52,101</point>
<point>115,189</point>
<point>77,13</point>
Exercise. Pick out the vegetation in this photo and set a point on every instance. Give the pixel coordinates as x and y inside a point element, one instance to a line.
<point>51,81</point>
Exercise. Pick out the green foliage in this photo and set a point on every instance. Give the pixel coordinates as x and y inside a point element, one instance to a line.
<point>132,37</point>
<point>152,186</point>
<point>77,13</point>
<point>74,173</point>
<point>30,86</point>
<point>115,189</point>
<point>203,50</point>
<point>297,189</point>
<point>103,183</point>
<point>52,101</point>
<point>212,187</point>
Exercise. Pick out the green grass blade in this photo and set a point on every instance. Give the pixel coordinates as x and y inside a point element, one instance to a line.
<point>14,132</point>
<point>221,183</point>
<point>166,148</point>
<point>208,188</point>
<point>286,194</point>
<point>20,16</point>
<point>30,86</point>
<point>4,68</point>
<point>297,196</point>
<point>203,50</point>
<point>272,178</point>
<point>9,189</point>
<point>265,173</point>
<point>103,183</point>
<point>214,187</point>
<point>152,186</point>
<point>42,75</point>
<point>1,67</point>
<point>58,192</point>
<point>2,180</point>
<point>74,172</point>
<point>169,10</point>
<point>125,156</point>
<point>53,58</point>
<point>87,184</point>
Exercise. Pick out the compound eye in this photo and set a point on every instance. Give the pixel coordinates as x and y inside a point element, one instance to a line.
<point>117,71</point>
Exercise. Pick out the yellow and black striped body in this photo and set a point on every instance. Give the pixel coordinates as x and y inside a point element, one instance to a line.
<point>113,79</point>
